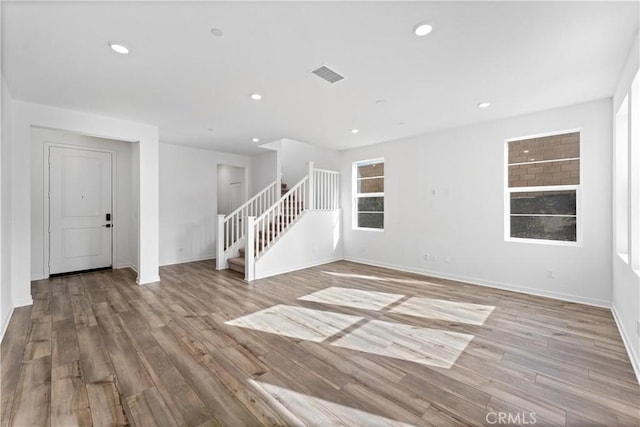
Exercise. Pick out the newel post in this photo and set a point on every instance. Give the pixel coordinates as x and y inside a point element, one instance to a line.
<point>249,250</point>
<point>312,196</point>
<point>220,260</point>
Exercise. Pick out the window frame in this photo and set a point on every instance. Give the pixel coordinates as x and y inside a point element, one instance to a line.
<point>622,180</point>
<point>357,195</point>
<point>547,188</point>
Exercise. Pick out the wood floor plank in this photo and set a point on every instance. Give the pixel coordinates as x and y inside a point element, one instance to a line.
<point>148,409</point>
<point>106,406</point>
<point>69,399</point>
<point>11,353</point>
<point>31,405</point>
<point>181,400</point>
<point>95,361</point>
<point>64,343</point>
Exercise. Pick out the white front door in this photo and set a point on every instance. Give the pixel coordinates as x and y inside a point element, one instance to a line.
<point>80,217</point>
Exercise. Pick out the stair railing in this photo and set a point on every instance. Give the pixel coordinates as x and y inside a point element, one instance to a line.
<point>266,228</point>
<point>232,228</point>
<point>326,192</point>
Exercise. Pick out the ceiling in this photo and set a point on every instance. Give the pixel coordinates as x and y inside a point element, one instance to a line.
<point>520,56</point>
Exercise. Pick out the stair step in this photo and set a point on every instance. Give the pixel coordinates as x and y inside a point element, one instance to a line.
<point>242,253</point>
<point>237,264</point>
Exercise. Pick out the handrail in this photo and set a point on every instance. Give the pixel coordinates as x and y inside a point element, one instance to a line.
<point>327,171</point>
<point>232,228</point>
<point>251,200</point>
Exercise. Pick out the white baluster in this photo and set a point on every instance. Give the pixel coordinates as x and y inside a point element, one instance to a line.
<point>249,265</point>
<point>220,258</point>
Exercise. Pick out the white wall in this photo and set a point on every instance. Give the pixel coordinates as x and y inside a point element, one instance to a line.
<point>188,201</point>
<point>313,240</point>
<point>626,282</point>
<point>6,303</point>
<point>29,115</point>
<point>295,157</point>
<point>123,238</point>
<point>264,170</point>
<point>444,196</point>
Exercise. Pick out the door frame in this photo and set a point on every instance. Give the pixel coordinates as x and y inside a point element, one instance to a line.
<point>46,213</point>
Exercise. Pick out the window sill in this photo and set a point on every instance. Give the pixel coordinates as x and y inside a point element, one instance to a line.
<point>375,230</point>
<point>624,257</point>
<point>543,242</point>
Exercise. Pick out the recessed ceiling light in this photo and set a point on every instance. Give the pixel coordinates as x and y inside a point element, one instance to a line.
<point>209,129</point>
<point>354,131</point>
<point>422,29</point>
<point>256,96</point>
<point>381,101</point>
<point>255,139</point>
<point>216,32</point>
<point>401,123</point>
<point>484,105</point>
<point>120,48</point>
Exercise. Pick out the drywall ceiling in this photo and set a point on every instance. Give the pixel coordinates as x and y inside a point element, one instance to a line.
<point>520,56</point>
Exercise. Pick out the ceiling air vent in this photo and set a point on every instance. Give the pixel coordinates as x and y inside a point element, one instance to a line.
<point>327,74</point>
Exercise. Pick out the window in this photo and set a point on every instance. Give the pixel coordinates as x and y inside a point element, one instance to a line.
<point>368,187</point>
<point>634,175</point>
<point>543,188</point>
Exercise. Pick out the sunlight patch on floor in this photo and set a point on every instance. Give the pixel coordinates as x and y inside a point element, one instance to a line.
<point>355,298</point>
<point>430,347</point>
<point>463,312</point>
<point>382,279</point>
<point>314,411</point>
<point>296,322</point>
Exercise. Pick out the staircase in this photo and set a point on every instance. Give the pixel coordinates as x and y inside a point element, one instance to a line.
<point>253,228</point>
<point>237,264</point>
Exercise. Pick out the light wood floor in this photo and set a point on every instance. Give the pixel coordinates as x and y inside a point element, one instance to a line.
<point>340,344</point>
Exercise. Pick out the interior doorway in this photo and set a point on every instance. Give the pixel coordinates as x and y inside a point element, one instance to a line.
<point>231,188</point>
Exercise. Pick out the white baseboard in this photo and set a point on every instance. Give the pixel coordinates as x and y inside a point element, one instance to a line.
<point>16,303</point>
<point>635,360</point>
<point>5,323</point>
<point>489,284</point>
<point>185,260</point>
<point>298,267</point>
<point>22,302</point>
<point>147,280</point>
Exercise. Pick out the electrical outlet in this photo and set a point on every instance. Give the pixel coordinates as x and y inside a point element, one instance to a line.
<point>426,257</point>
<point>549,274</point>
